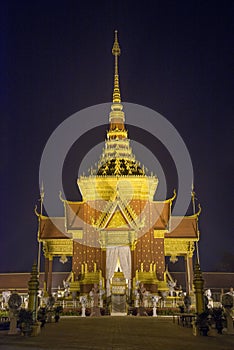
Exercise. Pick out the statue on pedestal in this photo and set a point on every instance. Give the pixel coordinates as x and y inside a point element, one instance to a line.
<point>172,286</point>
<point>187,302</point>
<point>210,303</point>
<point>94,293</point>
<point>228,302</point>
<point>14,303</point>
<point>101,293</point>
<point>155,300</point>
<point>142,293</point>
<point>83,301</point>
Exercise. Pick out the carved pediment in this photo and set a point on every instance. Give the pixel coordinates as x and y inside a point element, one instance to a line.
<point>117,221</point>
<point>117,214</point>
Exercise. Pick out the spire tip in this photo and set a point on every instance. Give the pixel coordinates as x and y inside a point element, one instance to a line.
<point>116,52</point>
<point>116,49</point>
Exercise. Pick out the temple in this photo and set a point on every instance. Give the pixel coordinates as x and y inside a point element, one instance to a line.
<point>118,235</point>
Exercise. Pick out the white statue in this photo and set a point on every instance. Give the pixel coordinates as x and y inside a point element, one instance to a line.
<point>208,294</point>
<point>171,286</point>
<point>137,299</point>
<point>155,300</point>
<point>5,296</point>
<point>101,293</point>
<point>83,301</point>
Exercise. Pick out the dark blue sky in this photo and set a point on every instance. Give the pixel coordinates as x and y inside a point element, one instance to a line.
<point>177,58</point>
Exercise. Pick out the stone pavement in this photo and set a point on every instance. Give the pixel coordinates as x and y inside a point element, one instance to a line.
<point>119,333</point>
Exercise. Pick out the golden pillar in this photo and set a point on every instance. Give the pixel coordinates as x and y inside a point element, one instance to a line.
<point>33,286</point>
<point>189,273</point>
<point>50,270</point>
<point>198,283</point>
<point>103,263</point>
<point>46,275</point>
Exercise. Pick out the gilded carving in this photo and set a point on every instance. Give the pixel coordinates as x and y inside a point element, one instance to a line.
<point>177,247</point>
<point>159,233</point>
<point>58,247</point>
<point>109,238</point>
<point>76,234</point>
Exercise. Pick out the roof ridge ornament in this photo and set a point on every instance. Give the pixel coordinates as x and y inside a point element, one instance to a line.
<point>116,52</point>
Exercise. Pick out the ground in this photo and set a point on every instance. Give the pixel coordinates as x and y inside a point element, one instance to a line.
<point>127,333</point>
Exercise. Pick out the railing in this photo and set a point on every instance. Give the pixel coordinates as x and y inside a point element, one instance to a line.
<point>169,302</point>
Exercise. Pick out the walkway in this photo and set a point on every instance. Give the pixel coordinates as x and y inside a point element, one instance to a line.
<point>119,333</point>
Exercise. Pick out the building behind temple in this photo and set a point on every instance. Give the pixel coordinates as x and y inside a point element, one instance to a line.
<point>118,235</point>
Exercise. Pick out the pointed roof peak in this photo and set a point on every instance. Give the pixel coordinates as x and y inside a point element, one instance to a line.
<point>116,52</point>
<point>116,48</point>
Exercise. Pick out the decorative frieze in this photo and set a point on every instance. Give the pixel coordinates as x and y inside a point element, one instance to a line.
<point>58,247</point>
<point>112,238</point>
<point>177,247</point>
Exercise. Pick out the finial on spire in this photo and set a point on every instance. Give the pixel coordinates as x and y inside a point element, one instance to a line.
<point>193,198</point>
<point>42,194</point>
<point>116,52</point>
<point>116,49</point>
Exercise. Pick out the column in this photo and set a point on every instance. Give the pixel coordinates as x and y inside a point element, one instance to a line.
<point>103,263</point>
<point>189,273</point>
<point>33,286</point>
<point>198,289</point>
<point>133,263</point>
<point>46,274</point>
<point>50,270</point>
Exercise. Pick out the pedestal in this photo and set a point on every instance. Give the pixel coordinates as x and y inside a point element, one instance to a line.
<point>36,329</point>
<point>118,304</point>
<point>95,311</point>
<point>83,311</point>
<point>230,329</point>
<point>155,311</point>
<point>13,325</point>
<point>142,311</point>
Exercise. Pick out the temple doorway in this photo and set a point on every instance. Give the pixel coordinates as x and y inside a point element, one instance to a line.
<point>118,267</point>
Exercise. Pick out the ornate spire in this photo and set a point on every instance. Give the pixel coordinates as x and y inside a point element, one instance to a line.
<point>116,52</point>
<point>193,197</point>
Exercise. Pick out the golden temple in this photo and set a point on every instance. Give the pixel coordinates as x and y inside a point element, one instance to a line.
<point>118,227</point>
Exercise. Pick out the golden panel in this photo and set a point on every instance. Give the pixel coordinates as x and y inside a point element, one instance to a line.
<point>74,286</point>
<point>159,233</point>
<point>92,277</point>
<point>76,234</point>
<point>105,187</point>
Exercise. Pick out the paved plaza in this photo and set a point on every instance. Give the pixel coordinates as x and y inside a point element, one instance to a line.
<point>125,333</point>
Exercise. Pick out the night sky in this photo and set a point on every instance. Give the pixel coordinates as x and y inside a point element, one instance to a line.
<point>177,58</point>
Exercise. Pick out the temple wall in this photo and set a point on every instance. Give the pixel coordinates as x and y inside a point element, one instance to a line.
<point>150,250</point>
<point>85,254</point>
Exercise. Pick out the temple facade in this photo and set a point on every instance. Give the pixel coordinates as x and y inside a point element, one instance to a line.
<point>118,235</point>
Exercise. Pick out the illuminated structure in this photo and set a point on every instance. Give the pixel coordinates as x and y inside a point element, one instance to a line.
<point>118,228</point>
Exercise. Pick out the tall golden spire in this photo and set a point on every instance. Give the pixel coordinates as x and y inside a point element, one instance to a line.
<point>116,52</point>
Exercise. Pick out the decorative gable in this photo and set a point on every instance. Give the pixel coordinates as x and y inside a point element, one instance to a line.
<point>117,221</point>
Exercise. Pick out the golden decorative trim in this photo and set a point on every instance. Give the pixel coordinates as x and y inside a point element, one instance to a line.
<point>76,234</point>
<point>92,277</point>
